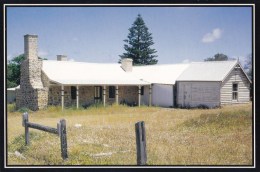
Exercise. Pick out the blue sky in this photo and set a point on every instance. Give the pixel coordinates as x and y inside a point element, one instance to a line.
<point>96,34</point>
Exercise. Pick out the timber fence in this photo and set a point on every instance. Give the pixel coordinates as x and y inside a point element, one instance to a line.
<point>61,131</point>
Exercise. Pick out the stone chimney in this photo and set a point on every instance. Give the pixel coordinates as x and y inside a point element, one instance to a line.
<point>31,47</point>
<point>127,64</point>
<point>62,58</point>
<point>32,94</point>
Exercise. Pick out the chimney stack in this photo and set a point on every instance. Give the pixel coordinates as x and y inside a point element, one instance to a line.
<point>127,64</point>
<point>31,47</point>
<point>62,58</point>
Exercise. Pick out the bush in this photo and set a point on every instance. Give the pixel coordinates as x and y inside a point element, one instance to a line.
<point>23,109</point>
<point>11,107</point>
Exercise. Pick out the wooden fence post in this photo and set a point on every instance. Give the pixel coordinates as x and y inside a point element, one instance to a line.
<point>63,138</point>
<point>140,143</point>
<point>25,125</point>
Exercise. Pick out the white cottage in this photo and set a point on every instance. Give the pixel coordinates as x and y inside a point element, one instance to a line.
<point>67,83</point>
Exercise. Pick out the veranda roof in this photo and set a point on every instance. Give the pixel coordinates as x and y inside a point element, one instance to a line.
<point>82,73</point>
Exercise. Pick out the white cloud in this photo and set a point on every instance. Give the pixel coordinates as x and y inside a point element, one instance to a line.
<point>186,61</point>
<point>212,36</point>
<point>43,53</point>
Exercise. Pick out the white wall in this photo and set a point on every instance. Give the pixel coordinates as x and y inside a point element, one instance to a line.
<point>162,95</point>
<point>145,97</point>
<point>198,93</point>
<point>10,96</point>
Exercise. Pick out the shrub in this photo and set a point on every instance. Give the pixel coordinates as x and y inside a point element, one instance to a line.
<point>11,107</point>
<point>23,109</point>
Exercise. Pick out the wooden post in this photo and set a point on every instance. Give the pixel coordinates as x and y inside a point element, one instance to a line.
<point>63,138</point>
<point>150,95</point>
<point>139,95</point>
<point>117,94</point>
<point>77,93</point>
<point>140,143</point>
<point>25,125</point>
<point>104,95</point>
<point>62,97</point>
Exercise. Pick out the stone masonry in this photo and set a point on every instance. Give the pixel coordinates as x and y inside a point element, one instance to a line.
<point>127,94</point>
<point>32,94</point>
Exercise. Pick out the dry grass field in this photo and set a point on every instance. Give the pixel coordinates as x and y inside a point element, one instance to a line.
<point>106,136</point>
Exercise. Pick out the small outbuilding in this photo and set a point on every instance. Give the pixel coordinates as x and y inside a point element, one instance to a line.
<point>212,84</point>
<point>11,94</point>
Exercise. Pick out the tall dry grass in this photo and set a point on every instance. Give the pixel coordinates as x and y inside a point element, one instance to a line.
<point>221,136</point>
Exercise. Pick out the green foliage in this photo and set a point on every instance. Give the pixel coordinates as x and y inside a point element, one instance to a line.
<point>24,109</point>
<point>11,107</point>
<point>217,57</point>
<point>13,71</point>
<point>138,44</point>
<point>248,66</point>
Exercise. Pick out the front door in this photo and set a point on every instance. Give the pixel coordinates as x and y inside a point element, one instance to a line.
<point>187,95</point>
<point>98,94</point>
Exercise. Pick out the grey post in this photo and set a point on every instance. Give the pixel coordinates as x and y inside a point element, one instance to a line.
<point>140,143</point>
<point>63,138</point>
<point>25,125</point>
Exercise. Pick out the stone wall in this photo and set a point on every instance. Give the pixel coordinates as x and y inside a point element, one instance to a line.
<point>128,94</point>
<point>45,80</point>
<point>31,94</point>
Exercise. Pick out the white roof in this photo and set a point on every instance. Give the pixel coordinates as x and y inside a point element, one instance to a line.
<point>82,73</point>
<point>207,71</point>
<point>14,88</point>
<point>161,74</point>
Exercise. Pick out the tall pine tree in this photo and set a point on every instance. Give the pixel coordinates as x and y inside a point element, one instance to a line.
<point>138,44</point>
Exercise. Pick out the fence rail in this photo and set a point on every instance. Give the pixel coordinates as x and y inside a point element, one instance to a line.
<point>60,131</point>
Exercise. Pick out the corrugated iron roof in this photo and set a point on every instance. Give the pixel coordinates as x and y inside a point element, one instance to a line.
<point>160,74</point>
<point>82,73</point>
<point>207,71</point>
<point>14,88</point>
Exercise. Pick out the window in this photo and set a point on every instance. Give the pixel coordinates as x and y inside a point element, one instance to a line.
<point>111,91</point>
<point>234,91</point>
<point>73,93</point>
<point>142,90</point>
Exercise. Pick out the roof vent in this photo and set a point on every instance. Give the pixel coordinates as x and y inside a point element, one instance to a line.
<point>62,58</point>
<point>127,64</point>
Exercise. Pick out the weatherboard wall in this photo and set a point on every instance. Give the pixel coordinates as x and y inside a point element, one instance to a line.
<point>198,93</point>
<point>235,76</point>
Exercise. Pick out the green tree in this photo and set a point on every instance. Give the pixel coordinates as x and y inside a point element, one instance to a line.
<point>248,66</point>
<point>217,57</point>
<point>13,70</point>
<point>138,44</point>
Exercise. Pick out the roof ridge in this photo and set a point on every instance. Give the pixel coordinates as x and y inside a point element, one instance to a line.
<point>81,62</point>
<point>225,61</point>
<point>163,64</point>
